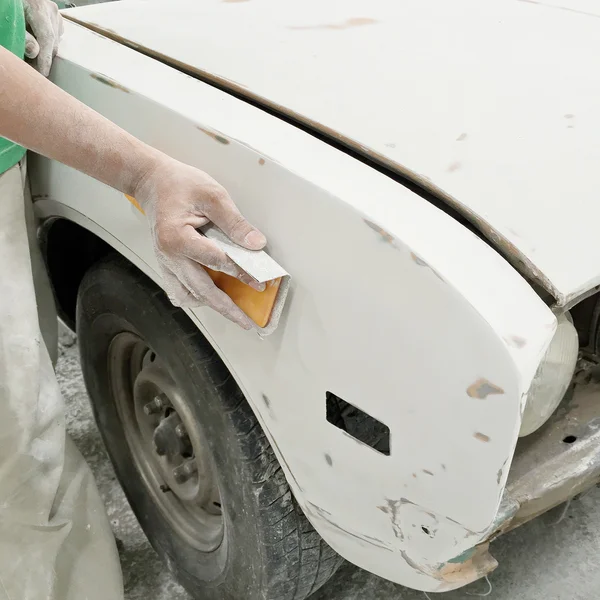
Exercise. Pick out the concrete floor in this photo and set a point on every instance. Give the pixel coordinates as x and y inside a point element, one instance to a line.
<point>541,560</point>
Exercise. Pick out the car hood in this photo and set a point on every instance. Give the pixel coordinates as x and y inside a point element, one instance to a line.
<point>492,106</point>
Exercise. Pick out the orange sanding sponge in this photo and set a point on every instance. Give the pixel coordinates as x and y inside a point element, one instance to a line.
<point>257,305</point>
<point>264,308</point>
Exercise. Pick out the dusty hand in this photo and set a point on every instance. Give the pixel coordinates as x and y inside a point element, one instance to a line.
<point>178,199</point>
<point>46,25</point>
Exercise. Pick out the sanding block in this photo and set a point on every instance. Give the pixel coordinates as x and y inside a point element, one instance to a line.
<point>264,308</point>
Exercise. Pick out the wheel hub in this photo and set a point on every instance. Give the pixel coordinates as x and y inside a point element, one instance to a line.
<point>166,441</point>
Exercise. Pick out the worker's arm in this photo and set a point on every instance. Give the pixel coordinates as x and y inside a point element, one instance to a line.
<point>176,198</point>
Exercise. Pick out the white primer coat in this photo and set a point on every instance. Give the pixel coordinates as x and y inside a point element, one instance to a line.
<point>492,104</point>
<point>393,306</point>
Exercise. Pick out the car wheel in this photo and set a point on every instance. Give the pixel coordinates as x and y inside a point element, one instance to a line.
<point>192,458</point>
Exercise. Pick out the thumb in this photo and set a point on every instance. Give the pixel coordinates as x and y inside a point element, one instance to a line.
<point>32,48</point>
<point>225,215</point>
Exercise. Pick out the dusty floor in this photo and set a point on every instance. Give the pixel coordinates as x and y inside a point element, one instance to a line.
<point>541,560</point>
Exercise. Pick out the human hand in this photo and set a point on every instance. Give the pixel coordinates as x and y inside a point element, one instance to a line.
<point>178,199</point>
<point>46,25</point>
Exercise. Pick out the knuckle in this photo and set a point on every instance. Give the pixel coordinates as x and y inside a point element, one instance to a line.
<point>165,239</point>
<point>215,193</point>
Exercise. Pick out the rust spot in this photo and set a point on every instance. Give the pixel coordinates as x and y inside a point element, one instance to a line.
<point>348,23</point>
<point>481,436</point>
<point>213,135</point>
<point>516,341</point>
<point>455,166</point>
<point>329,460</point>
<point>427,472</point>
<point>109,82</point>
<point>261,161</point>
<point>483,388</point>
<point>385,236</point>
<point>462,137</point>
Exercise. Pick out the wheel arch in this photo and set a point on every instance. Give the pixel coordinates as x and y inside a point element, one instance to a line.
<point>69,250</point>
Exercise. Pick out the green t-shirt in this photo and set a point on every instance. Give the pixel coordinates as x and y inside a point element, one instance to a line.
<point>12,37</point>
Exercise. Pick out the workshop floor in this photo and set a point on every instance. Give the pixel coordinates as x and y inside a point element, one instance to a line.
<point>542,560</point>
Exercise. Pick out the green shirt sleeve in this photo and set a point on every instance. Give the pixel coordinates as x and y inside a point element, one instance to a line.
<point>12,37</point>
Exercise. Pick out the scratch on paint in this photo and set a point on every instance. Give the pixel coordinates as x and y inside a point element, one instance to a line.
<point>392,508</point>
<point>353,22</point>
<point>326,516</point>
<point>482,388</point>
<point>109,82</point>
<point>213,135</point>
<point>567,8</point>
<point>427,472</point>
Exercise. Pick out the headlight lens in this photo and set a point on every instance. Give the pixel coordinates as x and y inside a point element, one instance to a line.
<point>552,377</point>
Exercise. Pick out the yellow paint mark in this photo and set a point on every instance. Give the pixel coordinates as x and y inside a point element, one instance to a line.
<point>135,203</point>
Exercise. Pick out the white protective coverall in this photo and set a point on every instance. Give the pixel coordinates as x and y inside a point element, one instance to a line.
<point>55,538</point>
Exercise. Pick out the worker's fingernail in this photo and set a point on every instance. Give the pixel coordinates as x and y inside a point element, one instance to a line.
<point>255,240</point>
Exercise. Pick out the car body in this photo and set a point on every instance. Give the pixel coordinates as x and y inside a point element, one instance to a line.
<point>423,172</point>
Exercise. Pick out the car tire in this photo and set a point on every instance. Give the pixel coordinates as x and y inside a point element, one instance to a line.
<point>267,550</point>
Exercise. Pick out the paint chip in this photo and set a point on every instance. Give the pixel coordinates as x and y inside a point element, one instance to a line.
<point>516,341</point>
<point>385,236</point>
<point>261,161</point>
<point>481,436</point>
<point>418,260</point>
<point>352,22</point>
<point>109,82</point>
<point>483,388</point>
<point>213,135</point>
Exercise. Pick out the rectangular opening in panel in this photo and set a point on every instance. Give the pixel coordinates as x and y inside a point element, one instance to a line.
<point>358,424</point>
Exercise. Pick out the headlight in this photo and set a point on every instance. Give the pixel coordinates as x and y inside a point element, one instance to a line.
<point>552,377</point>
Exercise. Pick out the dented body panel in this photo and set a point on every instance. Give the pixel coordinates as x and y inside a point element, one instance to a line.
<point>394,306</point>
<point>492,106</point>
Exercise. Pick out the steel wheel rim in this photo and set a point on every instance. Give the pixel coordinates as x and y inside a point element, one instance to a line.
<point>168,447</point>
